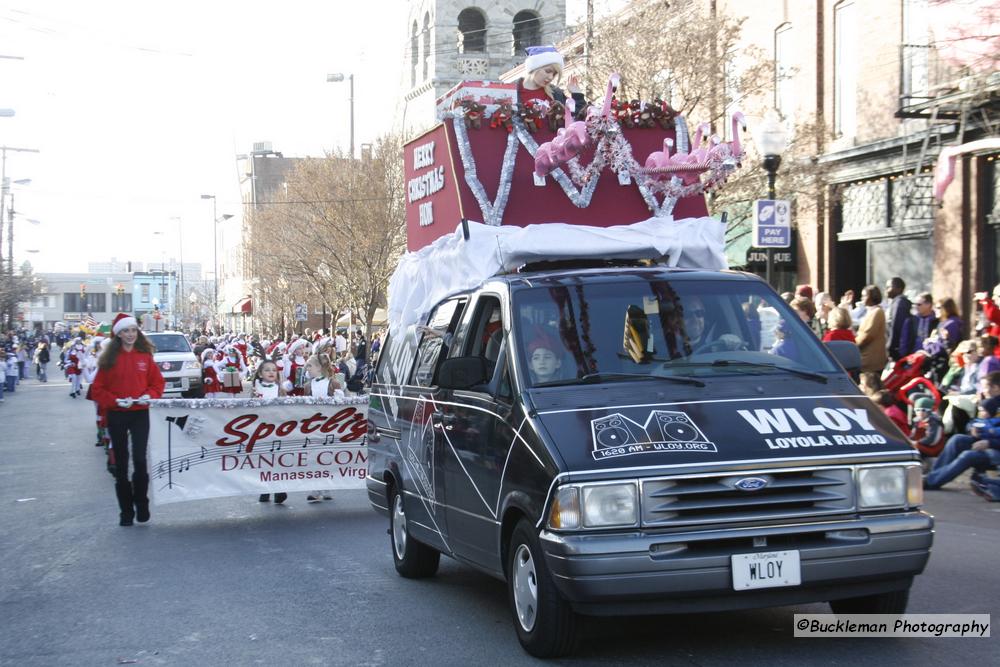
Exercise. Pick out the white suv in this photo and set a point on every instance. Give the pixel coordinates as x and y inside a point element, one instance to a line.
<point>181,369</point>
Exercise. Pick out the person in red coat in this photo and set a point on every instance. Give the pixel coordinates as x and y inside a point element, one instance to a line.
<point>991,311</point>
<point>127,378</point>
<point>838,325</point>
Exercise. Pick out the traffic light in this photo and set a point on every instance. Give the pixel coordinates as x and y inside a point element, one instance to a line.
<point>83,290</point>
<point>119,289</point>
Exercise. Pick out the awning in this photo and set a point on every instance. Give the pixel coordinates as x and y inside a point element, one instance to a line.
<point>244,305</point>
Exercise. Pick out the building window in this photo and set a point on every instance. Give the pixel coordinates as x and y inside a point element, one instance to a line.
<point>527,31</point>
<point>145,293</point>
<point>97,303</point>
<point>414,55</point>
<point>845,75</point>
<point>784,89</point>
<point>427,45</point>
<point>121,303</point>
<point>72,303</point>
<point>471,31</point>
<point>916,48</point>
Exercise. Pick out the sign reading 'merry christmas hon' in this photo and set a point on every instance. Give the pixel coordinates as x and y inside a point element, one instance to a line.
<point>208,448</point>
<point>432,202</point>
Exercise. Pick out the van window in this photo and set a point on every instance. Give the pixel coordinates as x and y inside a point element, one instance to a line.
<point>436,336</point>
<point>659,327</point>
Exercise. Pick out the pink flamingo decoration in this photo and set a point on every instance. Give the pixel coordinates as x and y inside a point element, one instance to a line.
<point>660,159</point>
<point>731,150</point>
<point>572,139</point>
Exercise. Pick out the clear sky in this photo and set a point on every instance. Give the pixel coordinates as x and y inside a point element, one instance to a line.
<point>139,108</point>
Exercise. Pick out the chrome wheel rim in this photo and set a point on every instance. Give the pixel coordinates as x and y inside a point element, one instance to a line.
<point>525,588</point>
<point>398,527</point>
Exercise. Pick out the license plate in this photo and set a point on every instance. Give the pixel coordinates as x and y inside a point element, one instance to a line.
<point>174,384</point>
<point>766,570</point>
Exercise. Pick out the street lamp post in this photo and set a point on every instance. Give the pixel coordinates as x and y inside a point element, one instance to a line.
<point>336,78</point>
<point>178,301</point>
<point>215,255</point>
<point>771,142</point>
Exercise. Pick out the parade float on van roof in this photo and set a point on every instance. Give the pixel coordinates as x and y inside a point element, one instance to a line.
<point>498,184</point>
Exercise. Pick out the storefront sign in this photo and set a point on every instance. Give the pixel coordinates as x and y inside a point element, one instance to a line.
<point>772,223</point>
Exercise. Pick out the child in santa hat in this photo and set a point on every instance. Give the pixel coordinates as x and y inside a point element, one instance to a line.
<point>74,365</point>
<point>295,370</point>
<point>209,376</point>
<point>266,383</point>
<point>232,367</point>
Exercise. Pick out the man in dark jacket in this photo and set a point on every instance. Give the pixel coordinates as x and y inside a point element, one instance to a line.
<point>899,312</point>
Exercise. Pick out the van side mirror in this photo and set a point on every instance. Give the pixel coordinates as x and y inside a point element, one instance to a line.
<point>847,353</point>
<point>462,372</point>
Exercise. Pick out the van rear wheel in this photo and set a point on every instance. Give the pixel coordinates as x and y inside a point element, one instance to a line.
<point>544,621</point>
<point>413,559</point>
<point>893,602</point>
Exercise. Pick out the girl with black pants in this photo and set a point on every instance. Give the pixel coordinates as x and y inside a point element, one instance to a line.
<point>127,378</point>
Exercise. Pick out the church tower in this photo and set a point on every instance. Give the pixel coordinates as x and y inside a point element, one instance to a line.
<point>457,40</point>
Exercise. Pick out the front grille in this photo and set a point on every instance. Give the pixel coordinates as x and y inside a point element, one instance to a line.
<point>789,494</point>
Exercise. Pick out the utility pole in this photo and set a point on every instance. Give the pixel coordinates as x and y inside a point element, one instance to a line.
<point>588,45</point>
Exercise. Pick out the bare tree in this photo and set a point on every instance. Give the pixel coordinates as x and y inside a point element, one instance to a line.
<point>334,233</point>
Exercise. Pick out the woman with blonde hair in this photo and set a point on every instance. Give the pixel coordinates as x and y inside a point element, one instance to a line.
<point>838,324</point>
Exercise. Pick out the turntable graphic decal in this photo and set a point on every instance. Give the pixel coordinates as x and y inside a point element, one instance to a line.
<point>664,431</point>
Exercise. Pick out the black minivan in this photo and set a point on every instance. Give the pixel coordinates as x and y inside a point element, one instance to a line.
<point>640,439</point>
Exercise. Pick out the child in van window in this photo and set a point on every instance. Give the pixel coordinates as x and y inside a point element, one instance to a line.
<point>926,428</point>
<point>543,360</point>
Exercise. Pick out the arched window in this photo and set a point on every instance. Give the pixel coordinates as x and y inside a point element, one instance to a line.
<point>414,55</point>
<point>471,31</point>
<point>427,44</point>
<point>527,31</point>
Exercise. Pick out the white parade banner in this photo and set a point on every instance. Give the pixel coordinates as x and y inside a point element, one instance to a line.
<point>210,448</point>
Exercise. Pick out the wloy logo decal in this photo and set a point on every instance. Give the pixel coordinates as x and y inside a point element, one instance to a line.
<point>750,484</point>
<point>664,431</point>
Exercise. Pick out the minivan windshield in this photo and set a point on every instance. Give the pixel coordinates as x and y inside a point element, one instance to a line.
<point>636,329</point>
<point>169,342</point>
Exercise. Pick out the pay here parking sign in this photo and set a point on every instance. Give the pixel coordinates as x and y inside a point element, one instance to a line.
<point>772,223</point>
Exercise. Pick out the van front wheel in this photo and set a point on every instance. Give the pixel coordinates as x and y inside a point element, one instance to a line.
<point>413,559</point>
<point>544,621</point>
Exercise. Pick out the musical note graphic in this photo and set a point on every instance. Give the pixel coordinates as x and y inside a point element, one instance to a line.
<point>202,453</point>
<point>239,449</point>
<point>330,439</point>
<point>305,444</point>
<point>276,443</point>
<point>159,470</point>
<point>185,465</point>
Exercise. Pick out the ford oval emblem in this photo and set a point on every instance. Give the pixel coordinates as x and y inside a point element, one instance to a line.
<point>751,483</point>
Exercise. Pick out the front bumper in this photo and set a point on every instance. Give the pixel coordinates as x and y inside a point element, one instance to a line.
<point>642,572</point>
<point>175,383</point>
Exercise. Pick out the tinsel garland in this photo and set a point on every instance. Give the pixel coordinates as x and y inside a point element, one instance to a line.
<point>612,150</point>
<point>242,403</point>
<point>492,211</point>
<point>580,198</point>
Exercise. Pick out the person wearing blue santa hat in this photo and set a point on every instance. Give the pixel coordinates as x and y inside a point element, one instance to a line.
<point>543,67</point>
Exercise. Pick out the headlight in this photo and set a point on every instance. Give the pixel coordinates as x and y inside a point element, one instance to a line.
<point>192,365</point>
<point>882,486</point>
<point>609,505</point>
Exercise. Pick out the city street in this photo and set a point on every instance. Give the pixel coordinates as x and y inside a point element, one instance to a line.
<point>235,581</point>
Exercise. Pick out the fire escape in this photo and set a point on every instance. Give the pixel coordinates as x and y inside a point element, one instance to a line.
<point>941,106</point>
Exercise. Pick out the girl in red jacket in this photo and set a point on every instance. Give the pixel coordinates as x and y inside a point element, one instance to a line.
<point>127,378</point>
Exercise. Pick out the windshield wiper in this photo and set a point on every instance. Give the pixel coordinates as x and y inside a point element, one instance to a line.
<point>759,364</point>
<point>596,378</point>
